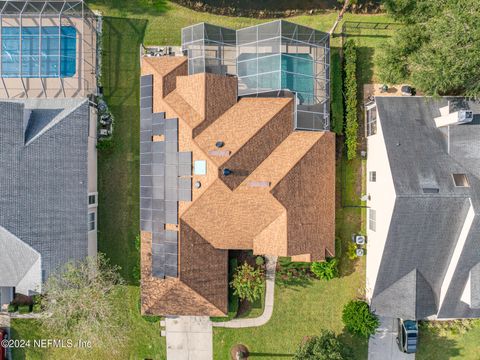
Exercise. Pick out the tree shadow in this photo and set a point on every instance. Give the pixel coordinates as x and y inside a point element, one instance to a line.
<point>433,346</point>
<point>357,345</point>
<point>17,352</point>
<point>364,70</point>
<point>254,355</point>
<point>152,7</point>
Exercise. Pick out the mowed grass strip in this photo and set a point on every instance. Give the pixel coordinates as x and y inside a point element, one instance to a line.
<point>118,168</point>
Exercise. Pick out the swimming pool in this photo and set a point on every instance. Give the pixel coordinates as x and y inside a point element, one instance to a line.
<point>298,76</point>
<point>49,54</point>
<point>294,72</point>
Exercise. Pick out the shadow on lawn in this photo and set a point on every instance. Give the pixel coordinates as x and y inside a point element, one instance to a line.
<point>147,7</point>
<point>433,346</point>
<point>254,355</point>
<point>358,346</point>
<point>364,69</point>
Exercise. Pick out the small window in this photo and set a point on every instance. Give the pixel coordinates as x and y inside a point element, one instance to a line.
<point>460,180</point>
<point>91,221</point>
<point>372,176</point>
<point>92,199</point>
<point>371,115</point>
<point>372,219</point>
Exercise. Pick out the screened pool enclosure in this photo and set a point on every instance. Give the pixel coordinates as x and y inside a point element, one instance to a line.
<point>48,48</point>
<point>277,58</point>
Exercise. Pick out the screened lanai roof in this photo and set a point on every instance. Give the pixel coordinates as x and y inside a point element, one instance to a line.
<point>276,58</point>
<point>48,48</point>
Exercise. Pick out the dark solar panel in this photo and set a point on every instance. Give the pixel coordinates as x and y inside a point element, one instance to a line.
<point>161,166</point>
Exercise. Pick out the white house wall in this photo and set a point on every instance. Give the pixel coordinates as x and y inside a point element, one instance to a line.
<point>92,177</point>
<point>382,199</point>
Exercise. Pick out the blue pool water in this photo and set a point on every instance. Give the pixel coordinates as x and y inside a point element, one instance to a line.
<point>297,75</point>
<point>40,55</point>
<point>283,71</point>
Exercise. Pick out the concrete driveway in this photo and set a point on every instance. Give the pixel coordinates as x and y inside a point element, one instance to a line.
<point>189,338</point>
<point>383,345</point>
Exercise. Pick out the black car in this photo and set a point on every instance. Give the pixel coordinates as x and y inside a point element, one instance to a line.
<point>407,335</point>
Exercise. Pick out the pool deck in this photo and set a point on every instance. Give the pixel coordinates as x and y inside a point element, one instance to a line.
<point>79,85</point>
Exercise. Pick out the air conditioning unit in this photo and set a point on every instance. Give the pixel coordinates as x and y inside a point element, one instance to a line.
<point>360,240</point>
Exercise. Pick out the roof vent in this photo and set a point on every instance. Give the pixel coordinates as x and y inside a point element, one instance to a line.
<point>460,180</point>
<point>197,185</point>
<point>219,144</point>
<point>227,172</point>
<point>431,190</point>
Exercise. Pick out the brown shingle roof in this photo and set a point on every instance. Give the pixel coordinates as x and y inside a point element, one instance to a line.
<point>239,124</point>
<point>231,219</point>
<point>279,199</point>
<point>169,296</point>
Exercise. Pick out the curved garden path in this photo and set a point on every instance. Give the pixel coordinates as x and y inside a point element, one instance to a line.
<point>271,263</point>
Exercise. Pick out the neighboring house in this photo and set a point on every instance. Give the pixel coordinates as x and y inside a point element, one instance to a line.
<point>48,157</point>
<point>219,173</point>
<point>423,254</point>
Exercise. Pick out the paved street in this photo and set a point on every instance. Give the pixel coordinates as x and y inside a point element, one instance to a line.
<point>383,346</point>
<point>189,338</point>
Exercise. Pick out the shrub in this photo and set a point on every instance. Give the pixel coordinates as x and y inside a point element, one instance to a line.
<point>259,260</point>
<point>337,94</point>
<point>358,319</point>
<point>352,251</point>
<point>151,318</point>
<point>37,308</point>
<point>24,309</point>
<point>105,145</point>
<point>12,308</point>
<point>350,86</point>
<point>248,283</point>
<point>325,270</point>
<point>327,346</point>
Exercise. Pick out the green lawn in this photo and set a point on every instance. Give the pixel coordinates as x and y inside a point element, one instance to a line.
<point>143,338</point>
<point>118,169</point>
<point>298,311</point>
<point>447,345</point>
<point>165,19</point>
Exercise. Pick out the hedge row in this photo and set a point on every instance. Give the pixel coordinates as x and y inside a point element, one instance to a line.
<point>350,87</point>
<point>336,106</point>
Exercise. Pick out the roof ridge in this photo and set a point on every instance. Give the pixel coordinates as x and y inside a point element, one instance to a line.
<point>263,126</point>
<point>66,111</point>
<point>293,163</point>
<point>168,99</point>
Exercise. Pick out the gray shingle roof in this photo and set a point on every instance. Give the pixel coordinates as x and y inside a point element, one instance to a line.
<point>17,258</point>
<point>43,182</point>
<point>425,227</point>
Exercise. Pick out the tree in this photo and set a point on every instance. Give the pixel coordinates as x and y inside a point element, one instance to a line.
<point>325,270</point>
<point>358,319</point>
<point>327,346</point>
<point>79,304</point>
<point>439,48</point>
<point>248,283</point>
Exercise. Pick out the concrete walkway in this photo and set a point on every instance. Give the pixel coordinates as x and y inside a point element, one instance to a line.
<point>383,345</point>
<point>271,263</point>
<point>189,338</point>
